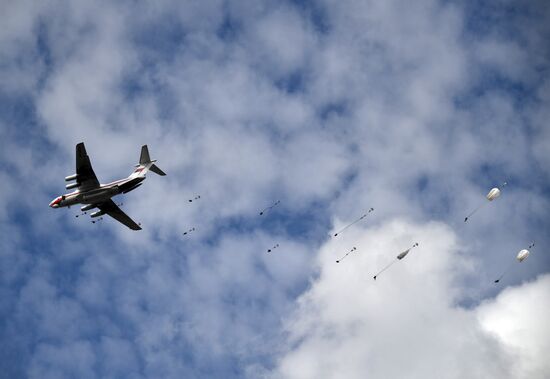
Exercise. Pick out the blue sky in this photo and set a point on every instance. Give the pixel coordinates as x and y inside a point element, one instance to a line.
<point>416,110</point>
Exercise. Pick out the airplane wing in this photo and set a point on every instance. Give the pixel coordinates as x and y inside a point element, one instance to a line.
<point>86,176</point>
<point>110,208</point>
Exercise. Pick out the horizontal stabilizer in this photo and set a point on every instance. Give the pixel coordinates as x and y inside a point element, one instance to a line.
<point>156,170</point>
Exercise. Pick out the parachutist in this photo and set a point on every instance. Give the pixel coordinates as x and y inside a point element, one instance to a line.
<point>270,207</point>
<point>492,195</point>
<point>348,253</point>
<point>356,221</point>
<point>189,231</point>
<point>520,257</point>
<point>398,258</point>
<point>273,248</point>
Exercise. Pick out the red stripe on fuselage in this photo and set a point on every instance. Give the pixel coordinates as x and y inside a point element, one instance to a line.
<point>115,182</point>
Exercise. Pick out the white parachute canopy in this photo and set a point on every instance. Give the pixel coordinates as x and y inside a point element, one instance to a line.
<point>492,195</point>
<point>522,255</point>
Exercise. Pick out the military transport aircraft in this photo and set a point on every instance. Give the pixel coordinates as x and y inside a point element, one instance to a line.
<point>95,195</point>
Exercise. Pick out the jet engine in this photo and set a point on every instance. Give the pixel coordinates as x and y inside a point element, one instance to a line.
<point>71,185</point>
<point>97,214</point>
<point>71,177</point>
<point>87,207</point>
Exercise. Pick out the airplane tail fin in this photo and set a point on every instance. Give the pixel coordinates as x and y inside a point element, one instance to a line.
<point>146,164</point>
<point>144,158</point>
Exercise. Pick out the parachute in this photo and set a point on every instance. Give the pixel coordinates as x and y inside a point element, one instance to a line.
<point>189,231</point>
<point>348,253</point>
<point>398,258</point>
<point>270,207</point>
<point>273,248</point>
<point>354,222</point>
<point>492,195</point>
<point>520,257</point>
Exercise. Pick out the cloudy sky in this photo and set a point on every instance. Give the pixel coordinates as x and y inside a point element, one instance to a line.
<point>414,108</point>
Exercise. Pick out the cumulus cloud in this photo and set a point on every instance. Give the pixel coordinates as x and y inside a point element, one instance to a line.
<point>331,107</point>
<point>408,323</point>
<point>517,318</point>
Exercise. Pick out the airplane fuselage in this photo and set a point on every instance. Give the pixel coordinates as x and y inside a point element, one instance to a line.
<point>97,195</point>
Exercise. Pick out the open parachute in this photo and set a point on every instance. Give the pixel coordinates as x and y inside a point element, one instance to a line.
<point>520,257</point>
<point>492,195</point>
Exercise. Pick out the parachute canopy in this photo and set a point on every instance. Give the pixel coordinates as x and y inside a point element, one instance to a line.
<point>493,194</point>
<point>398,258</point>
<point>522,255</point>
<point>403,254</point>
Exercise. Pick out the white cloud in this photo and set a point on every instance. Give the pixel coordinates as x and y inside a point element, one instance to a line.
<point>271,35</point>
<point>408,323</point>
<point>518,318</point>
<point>382,116</point>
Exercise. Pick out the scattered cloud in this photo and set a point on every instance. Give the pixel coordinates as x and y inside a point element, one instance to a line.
<point>407,322</point>
<point>331,107</point>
